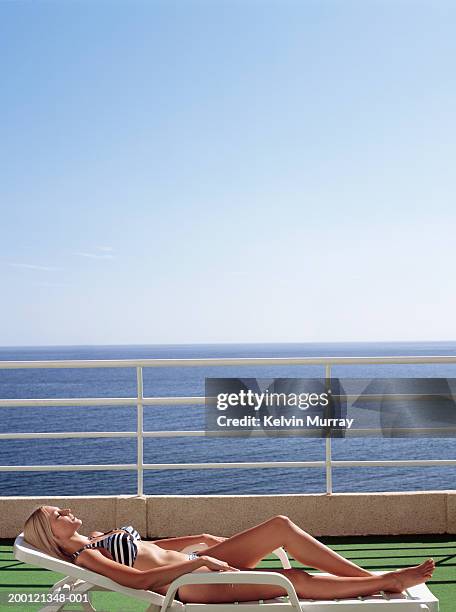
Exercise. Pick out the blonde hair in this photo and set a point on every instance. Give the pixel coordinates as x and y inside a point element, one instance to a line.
<point>38,533</point>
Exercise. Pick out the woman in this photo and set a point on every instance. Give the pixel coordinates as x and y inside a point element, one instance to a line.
<point>124,557</point>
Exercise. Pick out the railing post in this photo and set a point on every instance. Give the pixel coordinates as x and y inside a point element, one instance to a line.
<point>328,441</point>
<point>140,429</point>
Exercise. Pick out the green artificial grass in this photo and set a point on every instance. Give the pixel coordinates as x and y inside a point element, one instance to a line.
<point>373,553</point>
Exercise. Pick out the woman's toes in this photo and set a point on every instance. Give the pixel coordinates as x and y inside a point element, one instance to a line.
<point>426,566</point>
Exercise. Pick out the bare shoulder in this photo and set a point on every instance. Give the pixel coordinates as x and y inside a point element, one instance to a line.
<point>94,534</point>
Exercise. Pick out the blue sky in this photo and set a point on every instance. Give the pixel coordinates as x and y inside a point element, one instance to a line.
<point>229,171</point>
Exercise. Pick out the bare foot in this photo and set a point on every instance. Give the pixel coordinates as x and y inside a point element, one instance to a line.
<point>406,578</point>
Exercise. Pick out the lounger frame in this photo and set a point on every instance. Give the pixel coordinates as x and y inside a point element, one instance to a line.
<point>83,581</point>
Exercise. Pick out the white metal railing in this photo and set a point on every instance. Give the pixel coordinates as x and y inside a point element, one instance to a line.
<point>140,401</point>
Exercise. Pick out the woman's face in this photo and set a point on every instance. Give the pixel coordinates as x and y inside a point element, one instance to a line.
<point>63,522</point>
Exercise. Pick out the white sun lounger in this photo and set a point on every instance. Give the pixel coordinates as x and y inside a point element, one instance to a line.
<point>80,582</point>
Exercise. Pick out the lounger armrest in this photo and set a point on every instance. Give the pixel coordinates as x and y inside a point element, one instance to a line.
<point>230,578</point>
<point>194,548</point>
<point>282,555</point>
<point>278,552</point>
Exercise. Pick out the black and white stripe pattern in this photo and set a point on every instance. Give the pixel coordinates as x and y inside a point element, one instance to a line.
<point>121,545</point>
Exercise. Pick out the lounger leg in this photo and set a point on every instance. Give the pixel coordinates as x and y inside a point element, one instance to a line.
<point>52,608</point>
<point>84,588</point>
<point>68,586</point>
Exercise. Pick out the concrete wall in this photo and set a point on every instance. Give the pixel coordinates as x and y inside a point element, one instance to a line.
<point>98,512</point>
<point>337,514</point>
<point>174,515</point>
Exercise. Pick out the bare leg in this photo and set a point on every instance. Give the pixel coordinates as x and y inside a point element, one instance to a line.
<point>310,586</point>
<point>246,549</point>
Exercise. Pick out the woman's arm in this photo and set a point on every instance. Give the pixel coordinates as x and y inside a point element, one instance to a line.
<point>184,541</point>
<point>93,560</point>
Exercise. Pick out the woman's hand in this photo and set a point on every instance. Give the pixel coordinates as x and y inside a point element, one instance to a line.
<point>216,565</point>
<point>210,540</point>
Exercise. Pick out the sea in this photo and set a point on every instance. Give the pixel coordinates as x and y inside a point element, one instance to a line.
<point>105,382</point>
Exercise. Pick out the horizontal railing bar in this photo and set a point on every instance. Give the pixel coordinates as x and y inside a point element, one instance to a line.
<point>77,402</point>
<point>215,362</point>
<point>68,434</point>
<point>68,468</point>
<point>101,434</point>
<point>239,465</point>
<point>100,401</point>
<point>178,401</point>
<point>296,431</point>
<point>393,463</point>
<point>297,464</point>
<point>202,433</point>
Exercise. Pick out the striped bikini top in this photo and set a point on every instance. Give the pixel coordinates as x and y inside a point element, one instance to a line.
<point>120,543</point>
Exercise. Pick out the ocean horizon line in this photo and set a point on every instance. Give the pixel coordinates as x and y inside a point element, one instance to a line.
<point>189,344</point>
